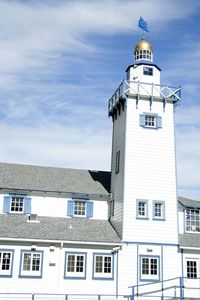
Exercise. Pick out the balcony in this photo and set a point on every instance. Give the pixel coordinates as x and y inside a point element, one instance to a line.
<point>146,91</point>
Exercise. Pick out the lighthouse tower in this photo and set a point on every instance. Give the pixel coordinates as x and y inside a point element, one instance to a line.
<point>143,183</point>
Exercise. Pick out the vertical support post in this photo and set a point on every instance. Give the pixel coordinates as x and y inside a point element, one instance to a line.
<point>99,297</point>
<point>33,296</point>
<point>66,297</point>
<point>181,288</point>
<point>133,292</point>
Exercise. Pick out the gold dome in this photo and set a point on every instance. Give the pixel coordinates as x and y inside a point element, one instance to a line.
<point>143,45</point>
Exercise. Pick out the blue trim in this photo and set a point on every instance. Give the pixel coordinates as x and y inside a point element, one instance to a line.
<point>158,269</point>
<point>89,209</point>
<point>162,266</point>
<point>182,268</point>
<point>85,265</point>
<point>148,243</point>
<point>31,272</point>
<point>158,120</point>
<point>145,63</point>
<point>6,204</point>
<point>27,205</point>
<point>95,277</point>
<point>11,262</point>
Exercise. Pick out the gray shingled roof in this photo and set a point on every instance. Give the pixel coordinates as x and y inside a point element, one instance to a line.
<point>187,203</point>
<point>189,240</point>
<point>61,229</point>
<point>27,177</point>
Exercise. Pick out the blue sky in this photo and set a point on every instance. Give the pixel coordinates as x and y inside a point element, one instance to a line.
<point>60,61</point>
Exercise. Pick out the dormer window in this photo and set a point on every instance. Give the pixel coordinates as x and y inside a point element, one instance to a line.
<point>17,204</point>
<point>148,71</point>
<point>192,220</point>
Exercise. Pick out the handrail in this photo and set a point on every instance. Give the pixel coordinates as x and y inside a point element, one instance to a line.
<point>146,89</point>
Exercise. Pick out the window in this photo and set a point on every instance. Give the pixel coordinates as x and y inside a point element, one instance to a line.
<point>192,217</point>
<point>158,210</point>
<point>117,163</point>
<point>6,261</point>
<point>150,120</point>
<point>143,55</point>
<point>17,204</point>
<point>75,265</point>
<point>149,268</point>
<point>142,209</point>
<point>191,268</point>
<point>148,71</point>
<point>112,207</point>
<point>31,264</point>
<point>103,266</point>
<point>80,208</point>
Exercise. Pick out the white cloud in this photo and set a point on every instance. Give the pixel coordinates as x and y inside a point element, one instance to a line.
<point>54,84</point>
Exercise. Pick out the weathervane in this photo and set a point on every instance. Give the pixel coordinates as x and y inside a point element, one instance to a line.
<point>143,24</point>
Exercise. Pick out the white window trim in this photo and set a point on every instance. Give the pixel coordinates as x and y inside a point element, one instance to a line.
<point>162,217</point>
<point>150,277</point>
<point>11,199</point>
<point>77,275</point>
<point>196,260</point>
<point>31,273</point>
<point>193,227</point>
<point>103,275</point>
<point>6,273</point>
<point>77,215</point>
<point>145,216</point>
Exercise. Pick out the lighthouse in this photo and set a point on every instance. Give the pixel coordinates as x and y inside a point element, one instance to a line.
<point>143,171</point>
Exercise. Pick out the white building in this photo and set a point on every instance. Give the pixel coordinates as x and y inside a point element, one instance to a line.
<point>66,233</point>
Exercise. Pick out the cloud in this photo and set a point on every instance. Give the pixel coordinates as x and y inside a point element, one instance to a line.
<point>56,77</point>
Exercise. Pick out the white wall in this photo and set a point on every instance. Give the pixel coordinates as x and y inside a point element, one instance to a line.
<point>150,174</point>
<point>57,207</point>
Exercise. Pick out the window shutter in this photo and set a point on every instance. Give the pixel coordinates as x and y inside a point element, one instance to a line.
<point>70,207</point>
<point>159,122</point>
<point>6,204</point>
<point>142,120</point>
<point>89,209</point>
<point>27,205</point>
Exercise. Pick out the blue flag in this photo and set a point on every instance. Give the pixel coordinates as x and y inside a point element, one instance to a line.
<point>142,24</point>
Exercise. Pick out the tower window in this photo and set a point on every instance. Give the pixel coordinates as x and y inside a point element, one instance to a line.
<point>148,71</point>
<point>117,162</point>
<point>158,210</point>
<point>142,209</point>
<point>150,120</point>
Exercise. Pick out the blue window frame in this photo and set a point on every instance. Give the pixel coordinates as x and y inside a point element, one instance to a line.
<point>6,262</point>
<point>158,210</point>
<point>75,265</point>
<point>103,266</point>
<point>149,120</point>
<point>80,208</point>
<point>149,268</point>
<point>141,209</point>
<point>17,204</point>
<point>31,264</point>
